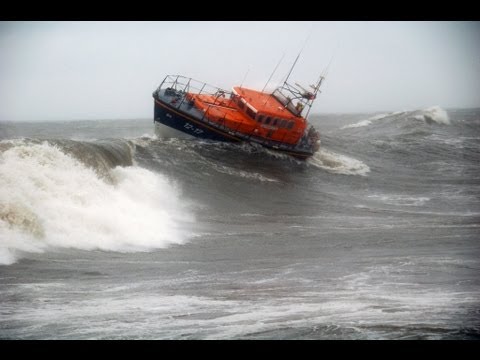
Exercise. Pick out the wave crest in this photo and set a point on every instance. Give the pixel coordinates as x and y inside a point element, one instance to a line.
<point>435,114</point>
<point>338,164</point>
<point>50,199</point>
<point>431,115</point>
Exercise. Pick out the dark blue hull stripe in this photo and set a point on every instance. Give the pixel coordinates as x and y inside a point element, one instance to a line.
<point>184,123</point>
<point>170,117</point>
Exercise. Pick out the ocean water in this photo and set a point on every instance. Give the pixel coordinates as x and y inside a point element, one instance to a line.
<point>108,232</point>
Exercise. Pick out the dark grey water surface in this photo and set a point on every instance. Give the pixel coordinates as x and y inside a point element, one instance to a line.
<point>108,232</point>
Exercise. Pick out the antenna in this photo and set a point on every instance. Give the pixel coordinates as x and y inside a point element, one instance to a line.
<point>322,76</point>
<point>316,86</point>
<point>295,62</point>
<point>270,78</point>
<point>248,70</point>
<point>303,47</point>
<point>328,66</point>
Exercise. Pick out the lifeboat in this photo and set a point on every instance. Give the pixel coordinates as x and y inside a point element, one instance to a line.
<point>273,120</point>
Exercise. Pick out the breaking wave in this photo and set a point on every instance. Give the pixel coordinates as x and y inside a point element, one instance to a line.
<point>338,164</point>
<point>50,198</point>
<point>365,122</point>
<point>432,115</point>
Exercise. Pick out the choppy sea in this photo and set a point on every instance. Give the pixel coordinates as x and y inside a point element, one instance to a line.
<point>109,232</point>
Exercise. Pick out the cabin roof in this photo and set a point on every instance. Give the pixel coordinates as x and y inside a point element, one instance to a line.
<point>264,103</point>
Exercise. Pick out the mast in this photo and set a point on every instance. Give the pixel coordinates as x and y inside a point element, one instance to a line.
<point>316,87</point>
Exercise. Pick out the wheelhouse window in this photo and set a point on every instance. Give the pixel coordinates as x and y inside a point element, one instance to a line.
<point>260,118</point>
<point>290,125</point>
<point>283,123</point>
<point>250,113</point>
<point>267,120</point>
<point>275,121</point>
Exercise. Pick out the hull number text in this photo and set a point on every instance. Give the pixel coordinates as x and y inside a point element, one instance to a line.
<point>192,128</point>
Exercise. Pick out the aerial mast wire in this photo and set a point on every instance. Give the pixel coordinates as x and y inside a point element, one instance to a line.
<point>248,70</point>
<point>322,77</point>
<point>270,78</point>
<point>295,62</point>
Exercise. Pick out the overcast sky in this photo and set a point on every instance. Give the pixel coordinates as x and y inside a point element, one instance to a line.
<point>108,70</point>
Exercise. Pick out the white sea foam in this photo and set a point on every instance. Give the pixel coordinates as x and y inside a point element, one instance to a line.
<point>436,114</point>
<point>338,164</point>
<point>359,299</point>
<point>148,136</point>
<point>366,122</point>
<point>241,173</point>
<point>359,124</point>
<point>402,200</point>
<point>49,199</point>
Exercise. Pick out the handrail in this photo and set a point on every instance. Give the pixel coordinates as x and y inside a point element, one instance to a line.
<point>182,83</point>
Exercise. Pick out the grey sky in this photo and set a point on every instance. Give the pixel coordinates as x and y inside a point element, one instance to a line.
<point>96,70</point>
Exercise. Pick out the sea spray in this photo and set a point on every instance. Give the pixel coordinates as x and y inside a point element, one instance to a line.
<point>436,114</point>
<point>50,199</point>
